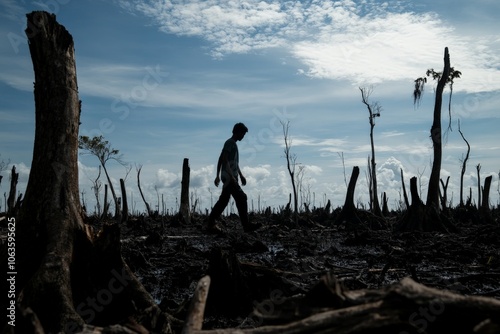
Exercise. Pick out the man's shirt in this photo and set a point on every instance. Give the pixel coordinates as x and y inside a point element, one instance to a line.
<point>231,149</point>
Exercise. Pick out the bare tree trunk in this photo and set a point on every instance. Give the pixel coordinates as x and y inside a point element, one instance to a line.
<point>60,265</point>
<point>106,204</point>
<point>11,200</point>
<point>433,188</point>
<point>184,209</point>
<point>370,184</point>
<point>97,188</point>
<point>349,200</point>
<point>290,164</point>
<point>478,168</point>
<point>444,195</point>
<point>484,211</point>
<point>385,208</point>
<point>194,319</point>
<point>464,166</point>
<point>485,205</point>
<point>50,219</point>
<point>148,208</point>
<point>113,193</point>
<point>374,111</point>
<point>414,216</point>
<point>407,203</point>
<point>348,215</point>
<point>124,201</point>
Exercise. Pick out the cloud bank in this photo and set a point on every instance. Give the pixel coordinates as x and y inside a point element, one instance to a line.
<point>361,41</point>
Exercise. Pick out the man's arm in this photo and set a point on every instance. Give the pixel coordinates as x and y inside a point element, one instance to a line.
<point>219,167</point>
<point>243,179</point>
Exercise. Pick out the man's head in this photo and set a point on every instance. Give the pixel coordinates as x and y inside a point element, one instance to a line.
<point>239,131</point>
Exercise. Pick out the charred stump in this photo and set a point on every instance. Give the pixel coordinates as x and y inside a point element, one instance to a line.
<point>348,215</point>
<point>354,218</point>
<point>420,217</point>
<point>413,218</point>
<point>66,275</point>
<point>484,211</point>
<point>385,207</point>
<point>229,292</point>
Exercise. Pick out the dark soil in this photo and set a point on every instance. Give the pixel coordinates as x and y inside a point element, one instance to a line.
<point>283,260</point>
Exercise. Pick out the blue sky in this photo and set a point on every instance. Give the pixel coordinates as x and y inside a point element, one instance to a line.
<point>163,81</point>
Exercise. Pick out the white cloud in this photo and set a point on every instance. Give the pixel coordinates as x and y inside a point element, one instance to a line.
<point>167,179</point>
<point>364,42</point>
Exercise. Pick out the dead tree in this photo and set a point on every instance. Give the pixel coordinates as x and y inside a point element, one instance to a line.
<point>124,201</point>
<point>106,203</point>
<point>3,166</point>
<point>478,168</point>
<point>407,203</point>
<point>432,213</point>
<point>97,189</point>
<point>444,195</point>
<point>373,111</point>
<point>444,78</point>
<point>11,200</point>
<point>102,149</point>
<point>184,212</point>
<point>433,189</point>
<point>59,261</point>
<point>464,166</point>
<point>291,160</point>
<point>148,207</point>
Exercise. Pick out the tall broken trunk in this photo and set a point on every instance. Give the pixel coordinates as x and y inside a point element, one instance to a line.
<point>184,212</point>
<point>50,220</point>
<point>437,145</point>
<point>58,262</point>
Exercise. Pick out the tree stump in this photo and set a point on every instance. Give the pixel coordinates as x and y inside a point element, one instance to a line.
<point>420,217</point>
<point>484,210</point>
<point>58,258</point>
<point>348,215</point>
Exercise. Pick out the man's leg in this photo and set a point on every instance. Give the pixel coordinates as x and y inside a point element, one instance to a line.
<point>220,205</point>
<point>241,203</point>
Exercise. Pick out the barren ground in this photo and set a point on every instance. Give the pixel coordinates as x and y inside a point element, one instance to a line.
<point>287,261</point>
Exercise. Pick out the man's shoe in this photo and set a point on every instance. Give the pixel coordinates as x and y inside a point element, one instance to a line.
<point>214,229</point>
<point>251,227</point>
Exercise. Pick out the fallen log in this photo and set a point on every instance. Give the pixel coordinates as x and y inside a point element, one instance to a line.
<point>194,320</point>
<point>405,307</point>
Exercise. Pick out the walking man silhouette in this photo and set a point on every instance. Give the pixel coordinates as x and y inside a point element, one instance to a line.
<point>229,170</point>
